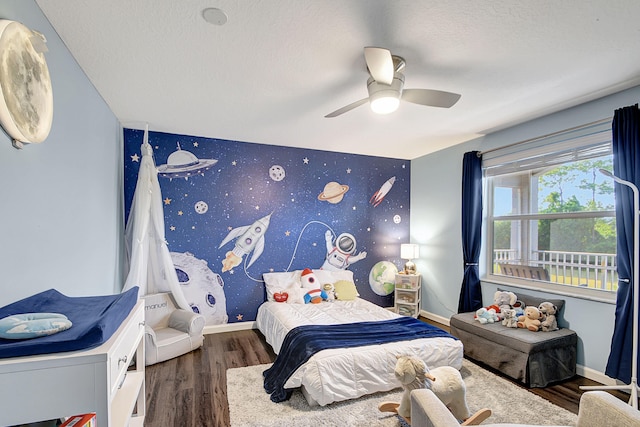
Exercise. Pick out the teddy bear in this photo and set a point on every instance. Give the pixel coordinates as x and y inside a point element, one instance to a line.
<point>548,311</point>
<point>510,319</point>
<point>485,316</point>
<point>531,319</point>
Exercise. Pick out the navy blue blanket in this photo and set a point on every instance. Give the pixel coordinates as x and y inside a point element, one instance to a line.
<point>304,341</point>
<point>94,320</point>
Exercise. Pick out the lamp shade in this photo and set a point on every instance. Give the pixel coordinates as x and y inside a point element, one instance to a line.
<point>409,251</point>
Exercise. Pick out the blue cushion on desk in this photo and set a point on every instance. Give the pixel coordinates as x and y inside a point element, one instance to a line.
<point>32,325</point>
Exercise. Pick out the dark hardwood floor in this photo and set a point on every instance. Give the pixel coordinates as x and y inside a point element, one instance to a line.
<point>190,390</point>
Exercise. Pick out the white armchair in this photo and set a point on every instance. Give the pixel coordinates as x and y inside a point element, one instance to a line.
<point>597,409</point>
<point>169,331</point>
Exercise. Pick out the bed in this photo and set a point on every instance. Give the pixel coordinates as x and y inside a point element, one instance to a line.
<point>338,374</point>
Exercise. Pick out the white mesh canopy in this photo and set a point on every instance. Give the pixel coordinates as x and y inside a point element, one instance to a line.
<point>147,256</point>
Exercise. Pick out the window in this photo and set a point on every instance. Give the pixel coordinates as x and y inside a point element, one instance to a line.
<point>550,213</point>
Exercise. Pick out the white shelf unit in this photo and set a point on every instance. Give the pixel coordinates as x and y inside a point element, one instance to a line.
<point>407,295</point>
<point>102,380</point>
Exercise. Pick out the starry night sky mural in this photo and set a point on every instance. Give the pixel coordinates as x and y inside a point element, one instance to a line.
<point>234,210</point>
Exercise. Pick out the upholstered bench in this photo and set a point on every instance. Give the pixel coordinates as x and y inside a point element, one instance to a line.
<point>533,358</point>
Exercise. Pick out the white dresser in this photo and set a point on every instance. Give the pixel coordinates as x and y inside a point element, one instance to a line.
<point>100,380</point>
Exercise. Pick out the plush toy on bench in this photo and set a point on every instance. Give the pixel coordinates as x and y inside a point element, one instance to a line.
<point>548,312</point>
<point>485,316</point>
<point>445,381</point>
<point>531,319</point>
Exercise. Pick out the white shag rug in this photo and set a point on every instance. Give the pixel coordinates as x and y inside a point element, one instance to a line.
<point>250,406</point>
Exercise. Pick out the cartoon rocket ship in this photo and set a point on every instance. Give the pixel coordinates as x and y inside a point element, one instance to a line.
<point>378,196</point>
<point>250,238</point>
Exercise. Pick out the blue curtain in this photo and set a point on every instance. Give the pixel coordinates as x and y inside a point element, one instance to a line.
<point>626,165</point>
<point>470,293</point>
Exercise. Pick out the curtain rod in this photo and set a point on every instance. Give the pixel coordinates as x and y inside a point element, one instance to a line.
<point>597,122</point>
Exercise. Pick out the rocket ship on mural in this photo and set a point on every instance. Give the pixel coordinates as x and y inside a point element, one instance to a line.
<point>249,238</point>
<point>379,195</point>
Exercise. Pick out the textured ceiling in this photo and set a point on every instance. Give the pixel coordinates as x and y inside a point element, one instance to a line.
<point>276,68</point>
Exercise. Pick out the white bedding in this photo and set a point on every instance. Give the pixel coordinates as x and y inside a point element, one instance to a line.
<point>348,373</point>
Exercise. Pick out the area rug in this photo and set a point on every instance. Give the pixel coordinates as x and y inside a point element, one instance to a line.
<point>249,404</point>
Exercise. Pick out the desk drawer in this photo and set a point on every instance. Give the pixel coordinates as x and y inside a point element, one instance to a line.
<point>124,349</point>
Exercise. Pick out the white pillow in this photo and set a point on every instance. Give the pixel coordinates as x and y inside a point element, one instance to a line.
<point>332,276</point>
<point>282,282</point>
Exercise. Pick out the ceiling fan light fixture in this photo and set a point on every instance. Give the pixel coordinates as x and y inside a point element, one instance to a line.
<point>385,99</point>
<point>384,102</point>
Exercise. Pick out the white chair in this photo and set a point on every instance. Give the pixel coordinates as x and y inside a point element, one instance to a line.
<point>597,409</point>
<point>169,331</point>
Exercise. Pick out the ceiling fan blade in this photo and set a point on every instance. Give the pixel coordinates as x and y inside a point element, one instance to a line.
<point>347,108</point>
<point>380,64</point>
<point>431,98</point>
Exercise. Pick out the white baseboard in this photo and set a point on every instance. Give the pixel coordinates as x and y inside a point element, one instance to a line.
<point>229,327</point>
<point>594,375</point>
<point>434,317</point>
<point>581,370</point>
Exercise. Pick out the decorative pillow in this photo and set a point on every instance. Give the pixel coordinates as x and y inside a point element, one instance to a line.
<point>279,283</point>
<point>345,290</point>
<point>32,325</point>
<point>332,276</point>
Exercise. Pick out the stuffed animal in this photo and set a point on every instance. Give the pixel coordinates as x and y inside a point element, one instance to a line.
<point>315,296</point>
<point>531,319</point>
<point>510,320</point>
<point>308,279</point>
<point>504,300</point>
<point>485,316</point>
<point>445,382</point>
<point>519,308</point>
<point>548,311</point>
<point>330,290</point>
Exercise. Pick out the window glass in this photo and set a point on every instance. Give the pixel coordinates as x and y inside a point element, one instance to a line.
<point>553,223</point>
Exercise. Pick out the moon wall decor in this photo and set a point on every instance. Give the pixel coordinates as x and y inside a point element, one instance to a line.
<point>26,96</point>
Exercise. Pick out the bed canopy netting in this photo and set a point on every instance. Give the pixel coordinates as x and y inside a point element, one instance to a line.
<point>147,259</point>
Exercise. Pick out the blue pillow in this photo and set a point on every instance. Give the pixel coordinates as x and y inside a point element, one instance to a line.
<point>32,325</point>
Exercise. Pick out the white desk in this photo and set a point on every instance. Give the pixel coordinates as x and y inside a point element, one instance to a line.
<point>57,385</point>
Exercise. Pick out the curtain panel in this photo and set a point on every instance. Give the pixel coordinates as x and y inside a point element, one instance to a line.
<point>470,292</point>
<point>626,166</point>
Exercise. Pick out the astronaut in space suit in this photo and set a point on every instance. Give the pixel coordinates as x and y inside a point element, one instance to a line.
<point>341,254</point>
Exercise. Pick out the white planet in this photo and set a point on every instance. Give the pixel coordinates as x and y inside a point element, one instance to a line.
<point>201,207</point>
<point>203,289</point>
<point>277,173</point>
<point>382,278</point>
<point>397,219</point>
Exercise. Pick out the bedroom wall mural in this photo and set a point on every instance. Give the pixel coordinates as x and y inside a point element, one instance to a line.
<point>234,210</point>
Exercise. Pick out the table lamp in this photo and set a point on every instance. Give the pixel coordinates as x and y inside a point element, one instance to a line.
<point>409,251</point>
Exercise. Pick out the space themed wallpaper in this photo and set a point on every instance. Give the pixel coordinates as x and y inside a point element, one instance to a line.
<point>235,210</point>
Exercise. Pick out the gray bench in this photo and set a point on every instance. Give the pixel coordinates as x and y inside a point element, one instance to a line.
<point>533,358</point>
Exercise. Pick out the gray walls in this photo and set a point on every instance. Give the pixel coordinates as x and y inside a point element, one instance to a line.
<point>61,209</point>
<point>435,224</point>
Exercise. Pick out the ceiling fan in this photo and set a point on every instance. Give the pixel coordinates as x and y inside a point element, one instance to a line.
<point>386,86</point>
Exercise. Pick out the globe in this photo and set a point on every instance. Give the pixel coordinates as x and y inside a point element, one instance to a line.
<point>382,278</point>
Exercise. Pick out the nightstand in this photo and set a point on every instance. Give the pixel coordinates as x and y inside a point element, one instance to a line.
<point>407,294</point>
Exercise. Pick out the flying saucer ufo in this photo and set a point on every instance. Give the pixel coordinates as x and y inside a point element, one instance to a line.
<point>184,164</point>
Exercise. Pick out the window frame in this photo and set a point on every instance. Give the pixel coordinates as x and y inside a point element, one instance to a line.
<point>551,144</point>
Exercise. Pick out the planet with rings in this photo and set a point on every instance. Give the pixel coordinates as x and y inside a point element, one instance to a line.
<point>333,192</point>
